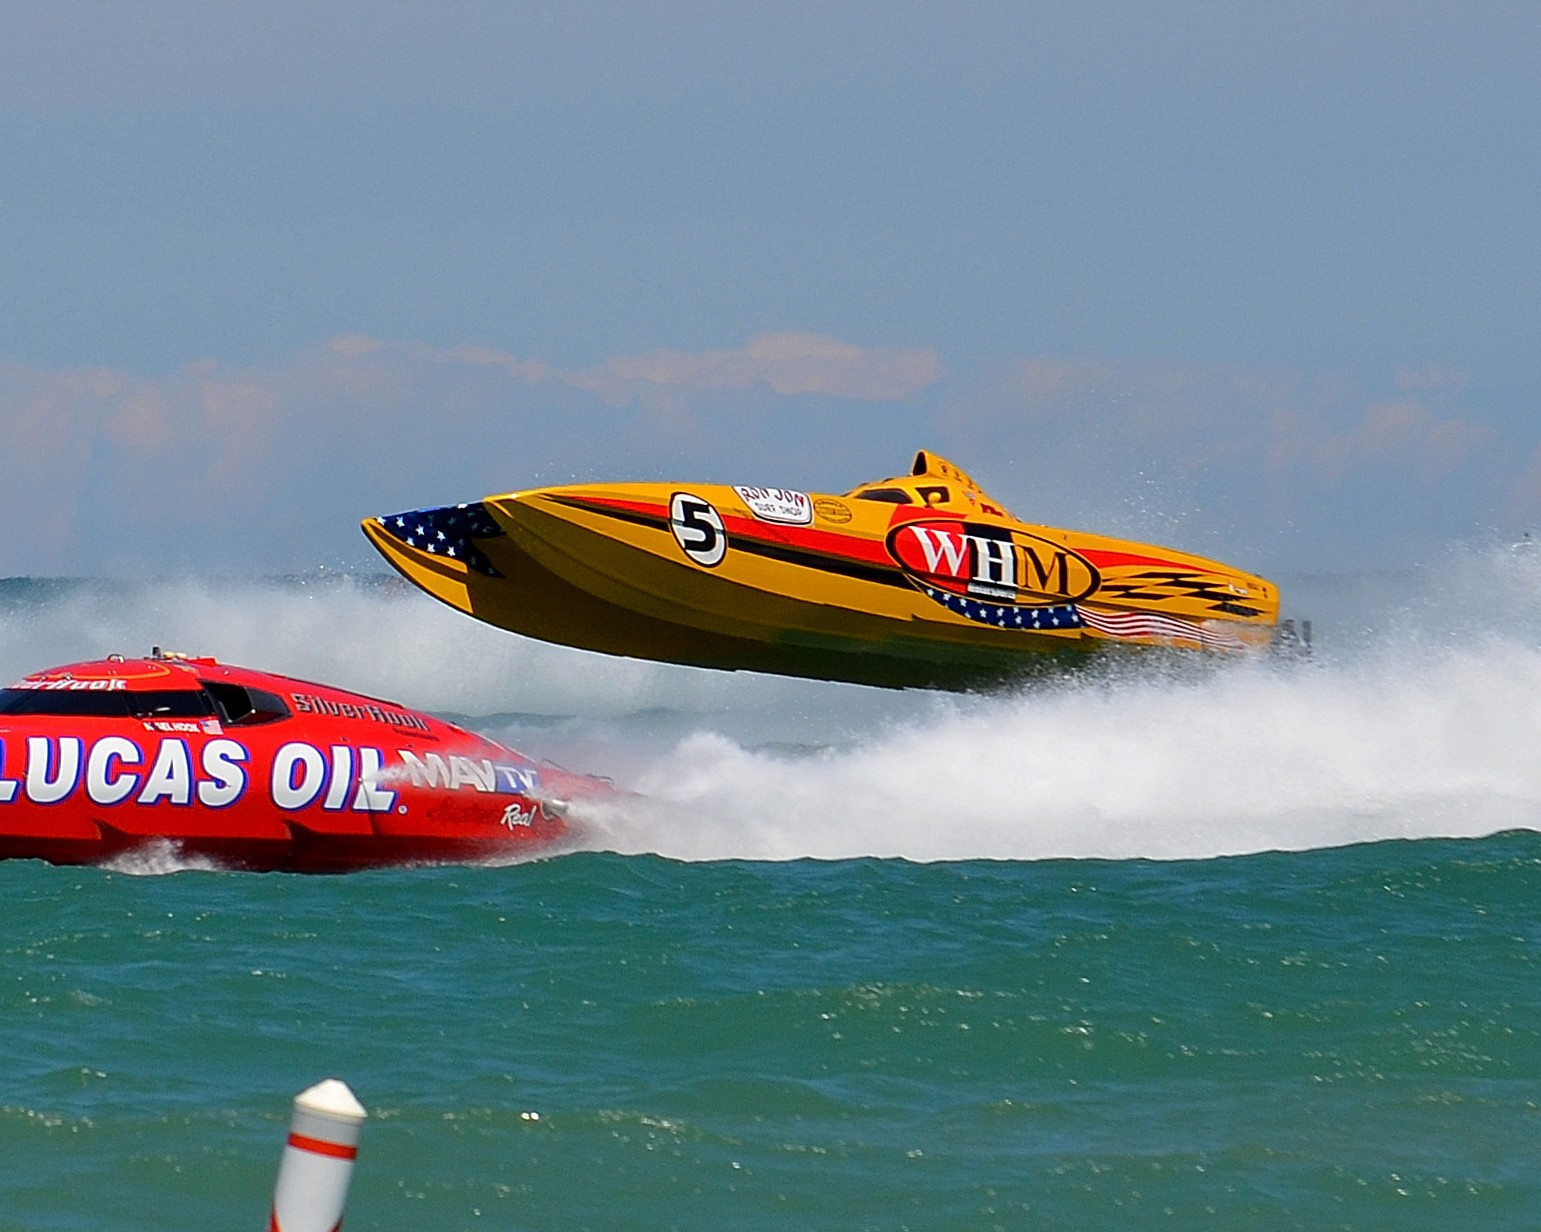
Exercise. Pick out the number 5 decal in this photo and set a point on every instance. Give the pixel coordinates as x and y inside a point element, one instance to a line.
<point>697,529</point>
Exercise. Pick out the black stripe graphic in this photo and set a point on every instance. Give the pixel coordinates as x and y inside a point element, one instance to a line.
<point>824,563</point>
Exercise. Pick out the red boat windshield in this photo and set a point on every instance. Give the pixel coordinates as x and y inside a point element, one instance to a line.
<point>242,704</point>
<point>105,703</point>
<point>232,704</point>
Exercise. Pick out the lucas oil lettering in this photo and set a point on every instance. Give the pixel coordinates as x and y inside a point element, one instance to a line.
<point>114,770</point>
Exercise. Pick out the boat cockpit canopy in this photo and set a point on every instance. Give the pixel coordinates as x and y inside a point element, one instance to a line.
<point>232,704</point>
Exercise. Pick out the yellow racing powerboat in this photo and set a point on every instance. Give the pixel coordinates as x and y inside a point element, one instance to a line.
<point>920,580</point>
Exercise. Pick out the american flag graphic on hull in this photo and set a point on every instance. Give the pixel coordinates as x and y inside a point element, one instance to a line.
<point>1153,624</point>
<point>1074,615</point>
<point>447,531</point>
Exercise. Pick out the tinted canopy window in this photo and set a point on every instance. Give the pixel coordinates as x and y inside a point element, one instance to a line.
<point>242,704</point>
<point>109,703</point>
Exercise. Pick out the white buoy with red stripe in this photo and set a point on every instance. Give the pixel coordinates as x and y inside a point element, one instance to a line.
<point>318,1159</point>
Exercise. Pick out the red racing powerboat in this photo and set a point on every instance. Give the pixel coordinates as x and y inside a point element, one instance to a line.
<point>256,771</point>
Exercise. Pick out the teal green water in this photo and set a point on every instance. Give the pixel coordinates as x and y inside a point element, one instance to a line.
<point>1034,979</point>
<point>1344,1039</point>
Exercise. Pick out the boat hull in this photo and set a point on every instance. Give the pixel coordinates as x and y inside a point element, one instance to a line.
<point>258,771</point>
<point>935,592</point>
<point>545,593</point>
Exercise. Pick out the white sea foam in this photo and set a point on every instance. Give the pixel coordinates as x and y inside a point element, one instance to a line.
<point>1418,717</point>
<point>157,858</point>
<point>1250,759</point>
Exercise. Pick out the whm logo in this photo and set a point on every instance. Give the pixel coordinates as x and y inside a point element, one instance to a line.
<point>991,562</point>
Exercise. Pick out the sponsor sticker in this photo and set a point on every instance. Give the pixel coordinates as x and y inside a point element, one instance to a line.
<point>68,684</point>
<point>785,505</point>
<point>452,772</point>
<point>167,769</point>
<point>310,703</point>
<point>831,510</point>
<point>990,562</point>
<point>117,770</point>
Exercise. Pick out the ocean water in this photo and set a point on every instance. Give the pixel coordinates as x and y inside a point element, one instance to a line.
<point>1251,946</point>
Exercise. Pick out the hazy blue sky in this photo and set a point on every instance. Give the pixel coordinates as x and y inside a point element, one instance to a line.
<point>1261,280</point>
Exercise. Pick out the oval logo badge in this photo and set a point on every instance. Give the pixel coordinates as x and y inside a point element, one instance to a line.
<point>697,529</point>
<point>831,510</point>
<point>991,562</point>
